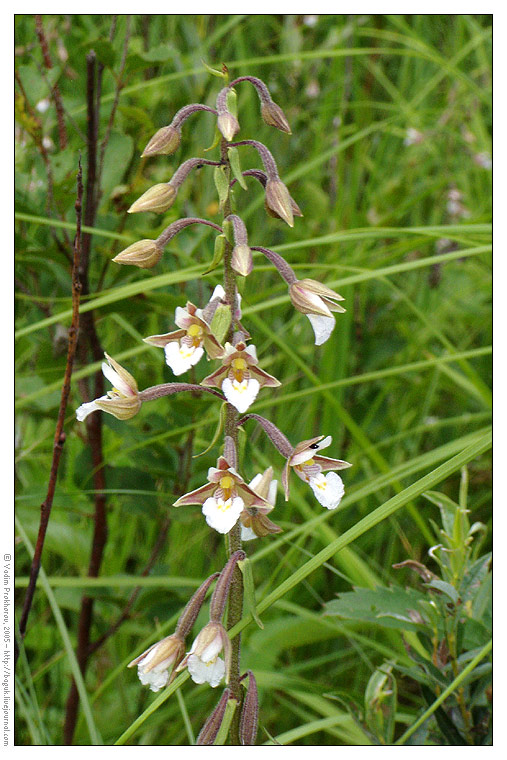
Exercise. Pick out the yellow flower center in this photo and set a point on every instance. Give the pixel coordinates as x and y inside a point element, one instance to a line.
<point>239,366</point>
<point>195,332</point>
<point>227,484</point>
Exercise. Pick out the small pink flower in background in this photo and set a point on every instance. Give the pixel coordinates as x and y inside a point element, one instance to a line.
<point>309,466</point>
<point>223,498</point>
<point>122,401</point>
<point>239,377</point>
<point>413,137</point>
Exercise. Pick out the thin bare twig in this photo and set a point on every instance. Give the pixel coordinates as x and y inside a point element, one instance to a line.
<point>59,439</point>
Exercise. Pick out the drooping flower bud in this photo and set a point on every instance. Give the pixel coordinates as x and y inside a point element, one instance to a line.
<point>153,665</point>
<point>228,125</point>
<point>219,598</point>
<point>273,116</point>
<point>271,113</point>
<point>143,254</point>
<point>123,401</point>
<point>250,713</point>
<point>317,301</point>
<point>242,261</point>
<point>279,201</point>
<point>312,297</point>
<point>193,607</point>
<point>158,199</point>
<point>164,142</point>
<point>203,662</point>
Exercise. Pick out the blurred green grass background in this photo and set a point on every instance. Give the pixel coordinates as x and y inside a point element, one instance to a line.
<point>390,162</point>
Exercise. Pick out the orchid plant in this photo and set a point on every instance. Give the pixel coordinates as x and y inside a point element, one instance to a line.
<point>230,505</point>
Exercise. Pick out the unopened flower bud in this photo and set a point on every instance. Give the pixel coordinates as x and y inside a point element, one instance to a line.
<point>279,201</point>
<point>227,124</point>
<point>273,115</point>
<point>123,401</point>
<point>164,142</point>
<point>312,297</point>
<point>250,713</point>
<point>158,199</point>
<point>153,665</point>
<point>221,592</point>
<point>143,254</point>
<point>241,260</point>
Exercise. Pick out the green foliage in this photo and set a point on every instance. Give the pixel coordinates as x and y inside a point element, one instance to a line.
<point>388,160</point>
<point>453,618</point>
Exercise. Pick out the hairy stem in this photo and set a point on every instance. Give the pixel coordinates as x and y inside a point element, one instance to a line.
<point>235,609</point>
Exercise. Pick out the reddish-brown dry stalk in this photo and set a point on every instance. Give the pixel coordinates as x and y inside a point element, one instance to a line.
<point>59,439</point>
<point>94,422</point>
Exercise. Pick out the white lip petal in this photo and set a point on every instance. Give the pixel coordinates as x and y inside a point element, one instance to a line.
<point>180,358</point>
<point>328,489</point>
<point>201,672</point>
<point>322,327</point>
<point>222,515</point>
<point>155,680</point>
<point>84,410</point>
<point>241,395</point>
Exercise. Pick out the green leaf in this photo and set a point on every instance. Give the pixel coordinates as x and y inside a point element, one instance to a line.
<point>221,321</point>
<point>120,150</point>
<point>214,72</point>
<point>221,184</point>
<point>236,166</point>
<point>248,583</point>
<point>387,607</point>
<point>223,731</point>
<point>445,588</point>
<point>217,255</point>
<point>231,100</point>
